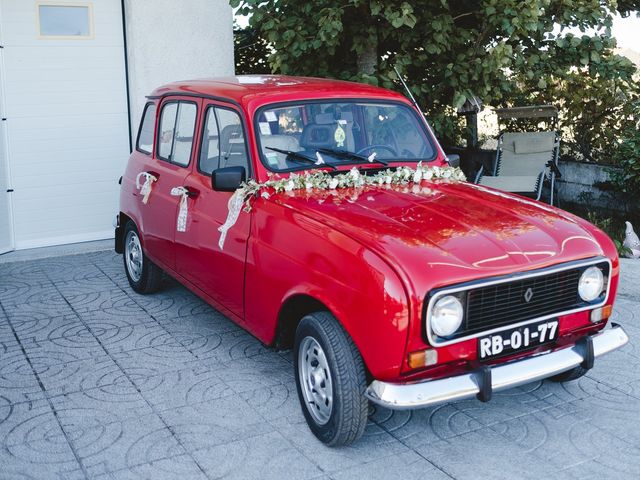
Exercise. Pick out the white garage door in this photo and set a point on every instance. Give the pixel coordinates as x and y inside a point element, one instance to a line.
<point>67,121</point>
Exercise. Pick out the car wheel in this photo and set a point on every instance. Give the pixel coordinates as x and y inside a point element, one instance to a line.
<point>144,276</point>
<point>331,380</point>
<point>569,375</point>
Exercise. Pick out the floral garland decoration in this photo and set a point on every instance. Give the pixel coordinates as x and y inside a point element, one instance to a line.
<point>320,179</point>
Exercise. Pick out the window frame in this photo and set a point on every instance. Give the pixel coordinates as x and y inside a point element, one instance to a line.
<point>175,122</point>
<point>205,112</point>
<point>430,137</point>
<point>88,5</point>
<point>155,124</point>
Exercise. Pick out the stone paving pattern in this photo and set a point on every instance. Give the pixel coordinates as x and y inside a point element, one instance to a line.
<point>99,382</point>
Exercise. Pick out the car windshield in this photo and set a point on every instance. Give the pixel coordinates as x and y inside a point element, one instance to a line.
<point>316,134</point>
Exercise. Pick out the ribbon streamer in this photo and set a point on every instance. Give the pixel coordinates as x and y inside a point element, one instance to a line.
<point>184,207</point>
<point>235,207</point>
<point>145,188</point>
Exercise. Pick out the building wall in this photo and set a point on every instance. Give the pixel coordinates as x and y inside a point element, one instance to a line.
<point>169,40</point>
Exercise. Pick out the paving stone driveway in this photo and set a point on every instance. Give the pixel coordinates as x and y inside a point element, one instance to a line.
<point>99,382</point>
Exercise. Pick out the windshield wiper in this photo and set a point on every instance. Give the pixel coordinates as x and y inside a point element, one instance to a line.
<point>351,156</point>
<point>301,156</point>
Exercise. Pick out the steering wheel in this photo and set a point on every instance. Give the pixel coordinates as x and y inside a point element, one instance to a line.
<point>368,148</point>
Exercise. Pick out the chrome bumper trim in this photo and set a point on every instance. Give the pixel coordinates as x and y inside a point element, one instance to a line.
<point>401,396</point>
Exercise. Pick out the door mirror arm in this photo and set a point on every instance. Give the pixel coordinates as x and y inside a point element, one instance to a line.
<point>453,159</point>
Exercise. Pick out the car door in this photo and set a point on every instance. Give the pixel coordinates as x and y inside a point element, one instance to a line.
<point>170,165</point>
<point>218,272</point>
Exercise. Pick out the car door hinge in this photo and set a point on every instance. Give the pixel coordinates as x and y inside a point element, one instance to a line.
<point>4,119</point>
<point>10,190</point>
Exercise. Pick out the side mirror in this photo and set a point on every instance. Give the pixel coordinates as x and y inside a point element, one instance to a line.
<point>453,160</point>
<point>227,179</point>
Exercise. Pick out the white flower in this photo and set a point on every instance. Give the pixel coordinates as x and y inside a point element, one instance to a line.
<point>446,174</point>
<point>387,179</point>
<point>265,194</point>
<point>333,183</point>
<point>417,176</point>
<point>289,186</point>
<point>428,175</point>
<point>354,173</point>
<point>308,185</point>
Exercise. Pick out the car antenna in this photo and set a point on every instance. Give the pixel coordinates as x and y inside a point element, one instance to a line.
<point>406,87</point>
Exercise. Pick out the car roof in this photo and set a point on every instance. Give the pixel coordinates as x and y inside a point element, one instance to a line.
<point>263,89</point>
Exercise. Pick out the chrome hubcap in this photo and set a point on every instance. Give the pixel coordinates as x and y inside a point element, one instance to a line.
<point>315,380</point>
<point>133,256</point>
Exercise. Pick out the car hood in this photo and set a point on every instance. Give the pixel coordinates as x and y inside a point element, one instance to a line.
<point>468,230</point>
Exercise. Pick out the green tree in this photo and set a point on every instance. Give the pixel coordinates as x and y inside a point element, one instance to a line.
<point>251,51</point>
<point>504,51</point>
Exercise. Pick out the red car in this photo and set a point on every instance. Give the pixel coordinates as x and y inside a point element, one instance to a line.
<point>393,280</point>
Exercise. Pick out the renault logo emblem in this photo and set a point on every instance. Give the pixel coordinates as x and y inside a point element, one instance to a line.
<point>528,295</point>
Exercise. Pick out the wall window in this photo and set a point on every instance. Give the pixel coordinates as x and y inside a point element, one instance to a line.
<point>175,135</point>
<point>223,142</point>
<point>64,20</point>
<point>145,134</point>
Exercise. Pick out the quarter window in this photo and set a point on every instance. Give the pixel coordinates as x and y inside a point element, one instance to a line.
<point>175,135</point>
<point>223,142</point>
<point>145,135</point>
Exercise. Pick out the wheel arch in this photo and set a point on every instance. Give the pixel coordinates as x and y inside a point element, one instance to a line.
<point>292,311</point>
<point>123,219</point>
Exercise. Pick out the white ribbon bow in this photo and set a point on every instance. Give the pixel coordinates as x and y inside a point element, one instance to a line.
<point>235,207</point>
<point>184,207</point>
<point>145,188</point>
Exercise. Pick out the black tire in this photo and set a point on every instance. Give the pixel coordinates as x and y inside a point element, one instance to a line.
<point>149,277</point>
<point>348,417</point>
<point>569,375</point>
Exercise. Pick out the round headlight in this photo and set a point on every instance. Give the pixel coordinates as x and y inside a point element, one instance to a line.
<point>591,284</point>
<point>446,316</point>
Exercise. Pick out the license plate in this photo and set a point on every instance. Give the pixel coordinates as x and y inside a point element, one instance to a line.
<point>517,339</point>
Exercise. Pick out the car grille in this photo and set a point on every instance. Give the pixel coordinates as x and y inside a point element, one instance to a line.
<point>501,302</point>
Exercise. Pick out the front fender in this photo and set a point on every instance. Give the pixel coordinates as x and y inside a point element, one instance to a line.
<point>292,254</point>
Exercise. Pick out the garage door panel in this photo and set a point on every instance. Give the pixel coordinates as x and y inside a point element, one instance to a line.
<point>86,175</point>
<point>57,202</point>
<point>30,111</point>
<point>57,84</point>
<point>60,215</point>
<point>65,56</point>
<point>41,153</point>
<point>67,115</point>
<point>67,129</point>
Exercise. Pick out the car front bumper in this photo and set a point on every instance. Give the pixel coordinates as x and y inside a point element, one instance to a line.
<point>481,383</point>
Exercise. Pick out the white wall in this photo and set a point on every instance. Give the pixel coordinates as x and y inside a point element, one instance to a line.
<point>169,40</point>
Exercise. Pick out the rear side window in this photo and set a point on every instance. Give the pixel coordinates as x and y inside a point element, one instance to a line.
<point>223,141</point>
<point>175,135</point>
<point>145,134</point>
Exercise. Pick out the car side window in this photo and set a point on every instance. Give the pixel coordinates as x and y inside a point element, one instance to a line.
<point>223,141</point>
<point>210,149</point>
<point>145,133</point>
<point>176,132</point>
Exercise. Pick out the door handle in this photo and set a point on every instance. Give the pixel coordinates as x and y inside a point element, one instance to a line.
<point>191,192</point>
